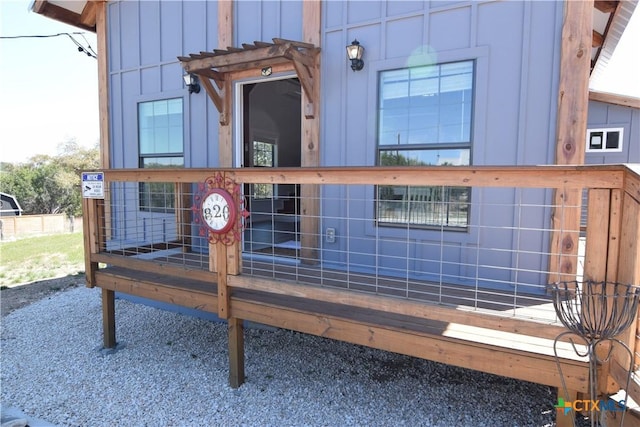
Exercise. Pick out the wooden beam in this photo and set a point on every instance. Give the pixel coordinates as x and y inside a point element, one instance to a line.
<point>393,305</point>
<point>220,249</point>
<point>605,6</point>
<point>90,227</point>
<point>573,91</point>
<point>570,134</point>
<point>566,419</point>
<point>217,98</point>
<point>225,23</point>
<point>595,263</point>
<point>238,60</point>
<point>575,177</point>
<point>612,98</point>
<point>88,15</point>
<point>310,138</point>
<point>108,318</point>
<point>498,360</point>
<point>55,12</point>
<point>203,300</point>
<point>167,269</point>
<point>103,83</point>
<point>597,39</point>
<point>236,352</point>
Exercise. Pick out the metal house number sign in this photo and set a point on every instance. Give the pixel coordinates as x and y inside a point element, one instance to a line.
<point>219,208</point>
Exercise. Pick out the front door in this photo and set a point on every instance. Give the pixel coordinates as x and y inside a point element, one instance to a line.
<point>271,126</point>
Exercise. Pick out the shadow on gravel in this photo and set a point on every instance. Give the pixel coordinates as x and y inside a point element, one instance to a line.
<point>15,297</point>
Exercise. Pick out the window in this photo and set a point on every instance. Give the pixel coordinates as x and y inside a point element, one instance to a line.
<point>600,140</point>
<point>264,155</point>
<point>424,118</point>
<point>160,127</point>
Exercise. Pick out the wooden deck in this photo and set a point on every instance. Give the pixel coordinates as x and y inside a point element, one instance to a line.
<point>475,340</point>
<point>491,330</point>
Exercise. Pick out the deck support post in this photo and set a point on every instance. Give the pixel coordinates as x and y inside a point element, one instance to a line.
<point>236,352</point>
<point>566,419</point>
<point>109,318</point>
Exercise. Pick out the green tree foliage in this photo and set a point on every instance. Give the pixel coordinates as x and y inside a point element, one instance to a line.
<point>50,184</point>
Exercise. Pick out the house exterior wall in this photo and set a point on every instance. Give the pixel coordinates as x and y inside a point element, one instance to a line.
<point>516,51</point>
<point>604,116</point>
<point>515,47</point>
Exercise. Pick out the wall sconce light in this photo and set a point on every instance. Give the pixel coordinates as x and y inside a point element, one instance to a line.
<point>191,81</point>
<point>354,53</point>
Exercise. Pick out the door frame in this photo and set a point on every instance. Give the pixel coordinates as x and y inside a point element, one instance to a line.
<point>238,113</point>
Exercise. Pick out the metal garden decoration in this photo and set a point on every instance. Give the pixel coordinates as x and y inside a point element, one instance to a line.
<point>596,312</point>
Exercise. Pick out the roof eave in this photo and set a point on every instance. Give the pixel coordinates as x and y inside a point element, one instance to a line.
<point>61,10</point>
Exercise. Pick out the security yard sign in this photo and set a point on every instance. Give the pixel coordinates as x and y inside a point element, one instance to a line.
<point>93,185</point>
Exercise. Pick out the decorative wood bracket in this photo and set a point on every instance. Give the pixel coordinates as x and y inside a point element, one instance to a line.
<point>220,64</point>
<point>217,93</point>
<point>304,63</point>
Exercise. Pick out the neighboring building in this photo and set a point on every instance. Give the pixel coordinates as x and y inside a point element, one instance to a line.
<point>613,129</point>
<point>9,205</point>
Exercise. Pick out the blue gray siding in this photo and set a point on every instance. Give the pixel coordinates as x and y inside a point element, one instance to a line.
<point>603,116</point>
<point>515,46</point>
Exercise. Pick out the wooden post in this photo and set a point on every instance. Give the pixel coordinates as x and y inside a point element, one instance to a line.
<point>236,352</point>
<point>310,149</point>
<point>595,269</point>
<point>91,228</point>
<point>562,419</point>
<point>183,213</point>
<point>223,293</point>
<point>108,318</point>
<point>573,102</point>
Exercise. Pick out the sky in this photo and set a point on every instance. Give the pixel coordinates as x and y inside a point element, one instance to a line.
<point>49,90</point>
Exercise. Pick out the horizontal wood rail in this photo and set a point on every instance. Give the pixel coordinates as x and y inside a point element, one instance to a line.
<point>610,176</point>
<point>475,337</point>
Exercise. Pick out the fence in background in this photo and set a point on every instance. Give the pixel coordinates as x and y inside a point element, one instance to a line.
<point>15,227</point>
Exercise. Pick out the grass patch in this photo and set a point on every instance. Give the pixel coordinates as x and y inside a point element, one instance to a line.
<point>39,258</point>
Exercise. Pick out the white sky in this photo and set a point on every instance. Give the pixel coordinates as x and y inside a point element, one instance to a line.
<point>49,90</point>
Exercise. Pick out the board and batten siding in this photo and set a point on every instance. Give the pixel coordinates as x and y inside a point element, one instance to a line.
<point>516,49</point>
<point>603,116</point>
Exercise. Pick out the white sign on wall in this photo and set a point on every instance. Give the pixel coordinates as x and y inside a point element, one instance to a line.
<point>93,185</point>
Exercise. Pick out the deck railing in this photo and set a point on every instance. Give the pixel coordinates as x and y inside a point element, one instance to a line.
<point>484,239</point>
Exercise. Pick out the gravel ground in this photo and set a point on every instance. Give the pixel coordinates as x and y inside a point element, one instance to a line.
<point>172,371</point>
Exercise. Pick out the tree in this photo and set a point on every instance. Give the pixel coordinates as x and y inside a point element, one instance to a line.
<point>50,184</point>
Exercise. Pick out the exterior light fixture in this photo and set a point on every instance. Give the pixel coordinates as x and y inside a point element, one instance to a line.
<point>191,81</point>
<point>354,53</point>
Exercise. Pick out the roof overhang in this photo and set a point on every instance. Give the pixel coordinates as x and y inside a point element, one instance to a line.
<point>610,18</point>
<point>220,65</point>
<point>79,13</point>
<point>613,98</point>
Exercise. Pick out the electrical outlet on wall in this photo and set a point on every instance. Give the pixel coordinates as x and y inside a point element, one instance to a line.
<point>330,235</point>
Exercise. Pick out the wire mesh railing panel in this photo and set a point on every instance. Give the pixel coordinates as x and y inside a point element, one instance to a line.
<point>494,257</point>
<point>153,222</point>
<point>477,248</point>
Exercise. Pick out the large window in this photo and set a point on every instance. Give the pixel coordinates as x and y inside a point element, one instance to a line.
<point>160,127</point>
<point>424,118</point>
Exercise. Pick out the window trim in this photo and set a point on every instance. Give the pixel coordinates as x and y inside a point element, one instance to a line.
<point>467,145</point>
<point>605,131</point>
<point>141,157</point>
